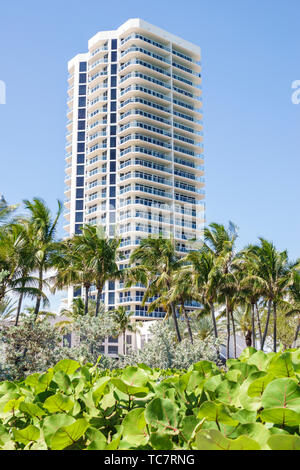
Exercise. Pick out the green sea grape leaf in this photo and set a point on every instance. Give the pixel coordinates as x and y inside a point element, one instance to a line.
<point>282,393</point>
<point>32,409</point>
<point>162,413</point>
<point>58,403</point>
<point>212,439</point>
<point>281,416</point>
<point>68,366</point>
<point>258,386</point>
<point>216,412</point>
<point>135,427</point>
<point>282,366</point>
<point>26,435</point>
<point>286,442</point>
<point>68,435</point>
<point>52,423</point>
<point>160,441</point>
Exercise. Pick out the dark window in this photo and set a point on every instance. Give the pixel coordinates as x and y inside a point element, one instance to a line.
<point>82,66</point>
<point>112,167</point>
<point>113,130</point>
<point>113,349</point>
<point>113,81</point>
<point>82,101</point>
<point>79,181</point>
<point>79,217</point>
<point>113,94</point>
<point>79,205</point>
<point>78,228</point>
<point>82,78</point>
<point>82,89</point>
<point>81,136</point>
<point>113,154</point>
<point>80,170</point>
<point>111,285</point>
<point>113,142</point>
<point>79,193</point>
<point>113,118</point>
<point>77,291</point>
<point>81,125</point>
<point>80,148</point>
<point>113,106</point>
<point>114,43</point>
<point>111,339</point>
<point>114,56</point>
<point>112,204</point>
<point>112,191</point>
<point>113,69</point>
<point>80,158</point>
<point>81,113</point>
<point>111,298</point>
<point>112,178</point>
<point>101,349</point>
<point>128,339</point>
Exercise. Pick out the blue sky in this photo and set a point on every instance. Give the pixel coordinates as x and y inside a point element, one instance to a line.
<point>250,57</point>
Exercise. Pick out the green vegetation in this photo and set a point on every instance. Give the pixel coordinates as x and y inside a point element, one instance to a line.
<point>252,404</point>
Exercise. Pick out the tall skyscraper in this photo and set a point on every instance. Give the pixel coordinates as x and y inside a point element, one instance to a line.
<point>134,160</point>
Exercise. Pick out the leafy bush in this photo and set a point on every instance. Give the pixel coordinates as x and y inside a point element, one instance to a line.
<point>254,404</point>
<point>164,352</point>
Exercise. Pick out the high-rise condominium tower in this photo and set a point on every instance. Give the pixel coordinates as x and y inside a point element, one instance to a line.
<point>134,161</point>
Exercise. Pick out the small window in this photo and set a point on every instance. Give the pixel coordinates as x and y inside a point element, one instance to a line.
<point>113,350</point>
<point>82,66</point>
<point>82,78</point>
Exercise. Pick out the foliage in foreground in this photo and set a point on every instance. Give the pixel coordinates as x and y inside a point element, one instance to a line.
<point>254,404</point>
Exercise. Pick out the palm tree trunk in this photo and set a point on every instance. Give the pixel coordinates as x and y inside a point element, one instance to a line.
<point>173,310</point>
<point>39,297</point>
<point>296,333</point>
<point>233,333</point>
<point>213,317</point>
<point>253,325</point>
<point>228,330</point>
<point>124,345</point>
<point>86,300</point>
<point>259,325</point>
<point>187,322</point>
<point>19,308</point>
<point>99,293</point>
<point>275,327</point>
<point>267,325</point>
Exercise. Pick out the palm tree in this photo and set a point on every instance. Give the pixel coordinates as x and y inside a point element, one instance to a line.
<point>123,319</point>
<point>157,262</point>
<point>101,253</point>
<point>275,274</point>
<point>7,309</point>
<point>44,229</point>
<point>6,210</point>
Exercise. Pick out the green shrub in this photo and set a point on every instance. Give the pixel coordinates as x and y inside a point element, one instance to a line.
<point>253,404</point>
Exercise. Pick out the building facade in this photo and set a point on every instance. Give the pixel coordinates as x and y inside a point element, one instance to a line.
<point>134,153</point>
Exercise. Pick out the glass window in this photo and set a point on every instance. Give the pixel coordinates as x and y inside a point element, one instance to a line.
<point>113,154</point>
<point>111,339</point>
<point>113,94</point>
<point>77,291</point>
<point>114,43</point>
<point>82,78</point>
<point>114,56</point>
<point>113,118</point>
<point>112,191</point>
<point>82,89</point>
<point>113,69</point>
<point>113,142</point>
<point>81,125</point>
<point>113,81</point>
<point>82,66</point>
<point>80,158</point>
<point>81,113</point>
<point>112,167</point>
<point>82,101</point>
<point>112,217</point>
<point>79,205</point>
<point>81,136</point>
<point>78,228</point>
<point>80,148</point>
<point>113,106</point>
<point>113,350</point>
<point>111,285</point>
<point>80,170</point>
<point>112,204</point>
<point>111,298</point>
<point>79,193</point>
<point>79,217</point>
<point>113,130</point>
<point>112,178</point>
<point>79,181</point>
